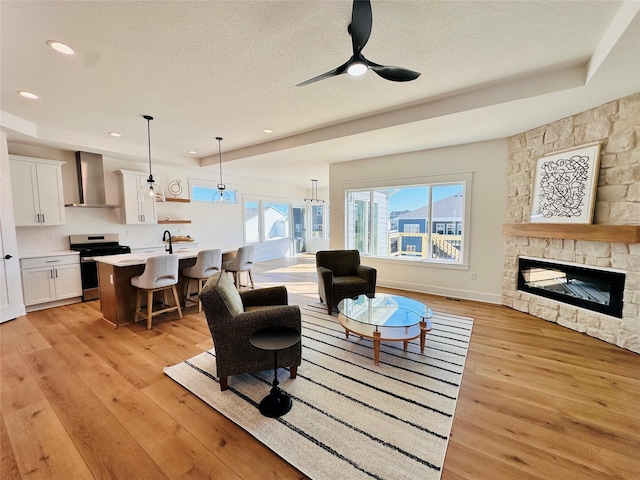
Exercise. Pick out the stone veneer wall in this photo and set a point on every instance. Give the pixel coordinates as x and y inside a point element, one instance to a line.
<point>617,126</point>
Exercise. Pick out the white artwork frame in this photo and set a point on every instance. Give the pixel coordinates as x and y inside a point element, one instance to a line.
<point>565,184</point>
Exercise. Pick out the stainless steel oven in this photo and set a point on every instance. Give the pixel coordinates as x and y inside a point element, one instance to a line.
<point>91,246</point>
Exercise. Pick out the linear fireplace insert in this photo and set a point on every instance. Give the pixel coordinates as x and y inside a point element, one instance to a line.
<point>595,289</point>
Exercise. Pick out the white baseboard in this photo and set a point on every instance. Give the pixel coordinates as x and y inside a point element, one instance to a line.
<point>444,292</point>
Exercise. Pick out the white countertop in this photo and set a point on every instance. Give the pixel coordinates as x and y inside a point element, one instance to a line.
<point>130,259</point>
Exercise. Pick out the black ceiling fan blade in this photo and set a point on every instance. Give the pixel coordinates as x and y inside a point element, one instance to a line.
<point>395,74</point>
<point>361,22</point>
<point>337,71</point>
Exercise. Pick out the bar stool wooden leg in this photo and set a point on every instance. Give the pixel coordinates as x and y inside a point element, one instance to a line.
<point>138,305</point>
<point>175,297</point>
<point>201,282</point>
<point>186,290</point>
<point>149,308</point>
<point>251,278</point>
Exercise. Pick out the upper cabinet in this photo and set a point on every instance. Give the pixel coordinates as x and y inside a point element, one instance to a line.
<point>136,211</point>
<point>37,191</point>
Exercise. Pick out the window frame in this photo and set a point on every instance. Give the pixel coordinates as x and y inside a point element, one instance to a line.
<point>465,179</point>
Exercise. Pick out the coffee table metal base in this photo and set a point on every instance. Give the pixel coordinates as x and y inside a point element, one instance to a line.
<point>276,404</point>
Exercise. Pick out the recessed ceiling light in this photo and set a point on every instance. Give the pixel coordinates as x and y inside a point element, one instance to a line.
<point>28,94</point>
<point>115,134</point>
<point>267,130</point>
<point>192,152</point>
<point>61,47</point>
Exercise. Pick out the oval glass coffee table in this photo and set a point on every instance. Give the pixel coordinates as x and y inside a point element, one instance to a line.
<point>390,318</point>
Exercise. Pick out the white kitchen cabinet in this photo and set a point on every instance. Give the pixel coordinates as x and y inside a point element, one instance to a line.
<point>37,191</point>
<point>51,278</point>
<point>135,211</point>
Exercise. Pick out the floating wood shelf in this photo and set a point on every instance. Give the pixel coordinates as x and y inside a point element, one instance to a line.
<point>179,200</point>
<point>594,233</point>
<point>170,222</point>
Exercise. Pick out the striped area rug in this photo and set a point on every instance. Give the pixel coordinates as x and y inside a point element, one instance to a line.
<point>350,418</point>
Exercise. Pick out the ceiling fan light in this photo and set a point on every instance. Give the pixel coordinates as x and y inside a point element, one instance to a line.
<point>356,69</point>
<point>61,47</point>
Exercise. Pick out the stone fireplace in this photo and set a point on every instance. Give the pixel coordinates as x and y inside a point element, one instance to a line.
<point>612,242</point>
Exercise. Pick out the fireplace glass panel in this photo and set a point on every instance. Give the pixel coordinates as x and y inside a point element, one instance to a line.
<point>597,290</point>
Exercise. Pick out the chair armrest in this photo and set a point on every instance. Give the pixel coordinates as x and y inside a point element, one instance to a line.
<point>235,336</point>
<point>264,296</point>
<point>325,275</point>
<point>369,274</point>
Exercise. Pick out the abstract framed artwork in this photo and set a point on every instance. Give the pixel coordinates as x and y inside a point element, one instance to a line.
<point>564,189</point>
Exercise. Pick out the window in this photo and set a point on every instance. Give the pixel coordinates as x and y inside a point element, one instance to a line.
<point>317,221</point>
<point>266,221</point>
<point>276,221</point>
<point>251,222</point>
<point>204,191</point>
<point>426,222</point>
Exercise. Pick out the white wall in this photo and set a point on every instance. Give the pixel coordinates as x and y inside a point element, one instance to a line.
<point>212,225</point>
<point>487,163</point>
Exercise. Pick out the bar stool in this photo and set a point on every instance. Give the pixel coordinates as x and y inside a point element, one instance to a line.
<point>243,262</point>
<point>160,274</point>
<point>207,263</point>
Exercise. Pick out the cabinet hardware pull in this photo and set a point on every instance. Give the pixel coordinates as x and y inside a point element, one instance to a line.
<point>7,256</point>
<point>52,261</point>
<point>51,273</point>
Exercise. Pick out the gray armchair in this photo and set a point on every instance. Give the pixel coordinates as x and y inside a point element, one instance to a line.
<point>233,316</point>
<point>340,276</point>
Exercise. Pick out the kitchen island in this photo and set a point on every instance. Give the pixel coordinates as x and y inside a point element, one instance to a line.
<point>118,296</point>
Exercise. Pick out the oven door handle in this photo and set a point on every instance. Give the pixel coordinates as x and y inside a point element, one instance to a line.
<point>87,259</point>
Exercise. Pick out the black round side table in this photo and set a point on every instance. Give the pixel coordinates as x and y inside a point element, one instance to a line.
<point>274,339</point>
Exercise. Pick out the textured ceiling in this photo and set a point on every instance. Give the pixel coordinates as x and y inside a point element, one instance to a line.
<point>229,68</point>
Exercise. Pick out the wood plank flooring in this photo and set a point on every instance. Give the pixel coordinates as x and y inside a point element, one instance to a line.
<point>81,399</point>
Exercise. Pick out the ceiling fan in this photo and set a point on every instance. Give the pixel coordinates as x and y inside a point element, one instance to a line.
<point>360,30</point>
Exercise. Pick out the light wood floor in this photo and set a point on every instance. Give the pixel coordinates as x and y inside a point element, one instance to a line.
<point>81,399</point>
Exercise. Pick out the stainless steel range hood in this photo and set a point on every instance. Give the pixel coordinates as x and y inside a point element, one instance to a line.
<point>91,185</point>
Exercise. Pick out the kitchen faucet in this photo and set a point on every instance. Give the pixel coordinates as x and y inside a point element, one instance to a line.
<point>164,239</point>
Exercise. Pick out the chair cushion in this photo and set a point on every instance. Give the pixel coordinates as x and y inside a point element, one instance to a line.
<point>349,284</point>
<point>228,293</point>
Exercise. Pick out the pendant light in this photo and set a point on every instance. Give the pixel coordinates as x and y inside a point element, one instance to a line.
<point>314,192</point>
<point>221,196</point>
<point>151,191</point>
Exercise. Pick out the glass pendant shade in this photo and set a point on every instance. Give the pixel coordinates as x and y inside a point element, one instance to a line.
<point>221,196</point>
<point>151,191</point>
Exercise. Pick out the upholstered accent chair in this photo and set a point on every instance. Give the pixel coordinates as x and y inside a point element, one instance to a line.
<point>233,316</point>
<point>340,275</point>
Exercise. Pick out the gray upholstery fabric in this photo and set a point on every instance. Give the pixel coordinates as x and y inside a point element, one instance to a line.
<point>159,271</point>
<point>207,263</point>
<point>340,276</point>
<point>232,317</point>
